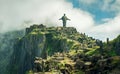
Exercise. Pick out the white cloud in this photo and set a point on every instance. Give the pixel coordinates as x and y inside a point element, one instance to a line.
<point>116,6</point>
<point>111,5</point>
<point>106,19</point>
<point>14,13</point>
<point>88,2</point>
<point>104,5</point>
<point>111,26</point>
<point>110,29</point>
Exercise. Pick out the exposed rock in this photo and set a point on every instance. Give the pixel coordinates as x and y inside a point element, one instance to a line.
<point>79,64</point>
<point>59,49</point>
<point>64,71</point>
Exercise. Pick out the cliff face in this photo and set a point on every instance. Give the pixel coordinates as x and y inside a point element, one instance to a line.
<point>41,41</point>
<point>114,45</point>
<point>48,49</point>
<point>6,48</point>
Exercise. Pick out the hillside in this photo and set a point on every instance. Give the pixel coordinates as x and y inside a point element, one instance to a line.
<point>59,50</point>
<point>6,48</point>
<point>116,45</point>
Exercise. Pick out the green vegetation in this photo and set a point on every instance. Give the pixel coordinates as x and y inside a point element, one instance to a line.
<point>62,50</point>
<point>29,72</point>
<point>93,51</point>
<point>79,72</point>
<point>111,53</point>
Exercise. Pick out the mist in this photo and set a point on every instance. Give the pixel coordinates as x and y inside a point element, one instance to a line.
<point>7,42</point>
<point>17,15</point>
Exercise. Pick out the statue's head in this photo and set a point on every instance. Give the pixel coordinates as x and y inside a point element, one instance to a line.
<point>64,14</point>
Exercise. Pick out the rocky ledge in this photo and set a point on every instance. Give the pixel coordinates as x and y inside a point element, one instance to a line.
<point>58,50</point>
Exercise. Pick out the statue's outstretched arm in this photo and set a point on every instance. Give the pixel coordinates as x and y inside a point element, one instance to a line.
<point>60,19</point>
<point>68,19</point>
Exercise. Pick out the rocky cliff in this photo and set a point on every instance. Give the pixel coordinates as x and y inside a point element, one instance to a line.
<point>116,45</point>
<point>61,50</point>
<point>6,48</point>
<point>42,41</point>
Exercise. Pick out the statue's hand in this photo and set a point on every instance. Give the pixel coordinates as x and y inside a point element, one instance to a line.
<point>60,19</point>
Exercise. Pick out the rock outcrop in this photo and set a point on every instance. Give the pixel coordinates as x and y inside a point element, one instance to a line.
<point>63,50</point>
<point>42,41</point>
<point>6,48</point>
<point>116,45</point>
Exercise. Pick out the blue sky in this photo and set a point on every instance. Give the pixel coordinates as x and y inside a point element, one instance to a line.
<point>95,9</point>
<point>106,16</point>
<point>97,18</point>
